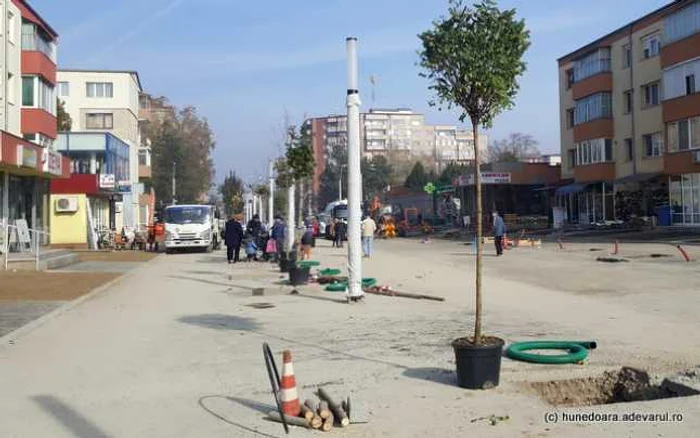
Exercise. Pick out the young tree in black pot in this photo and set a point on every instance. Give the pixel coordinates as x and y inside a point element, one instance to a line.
<point>473,58</point>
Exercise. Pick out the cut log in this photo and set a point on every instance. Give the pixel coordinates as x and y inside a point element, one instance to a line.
<point>293,421</point>
<point>323,410</point>
<point>393,293</point>
<point>307,413</point>
<point>328,423</point>
<point>316,421</point>
<point>335,408</point>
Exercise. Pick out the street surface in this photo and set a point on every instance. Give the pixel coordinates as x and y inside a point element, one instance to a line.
<point>175,350</point>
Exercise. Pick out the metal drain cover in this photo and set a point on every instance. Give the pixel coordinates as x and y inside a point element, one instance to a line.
<point>261,305</point>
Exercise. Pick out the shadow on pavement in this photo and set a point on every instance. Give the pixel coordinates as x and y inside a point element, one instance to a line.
<point>74,422</point>
<point>435,375</point>
<point>222,322</point>
<point>244,402</point>
<point>329,299</point>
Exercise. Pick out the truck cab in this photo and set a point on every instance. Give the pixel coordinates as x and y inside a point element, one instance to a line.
<point>190,227</point>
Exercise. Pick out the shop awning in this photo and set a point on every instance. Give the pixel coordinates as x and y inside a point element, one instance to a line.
<point>570,189</point>
<point>639,177</point>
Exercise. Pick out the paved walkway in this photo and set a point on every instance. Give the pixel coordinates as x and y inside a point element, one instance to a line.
<point>175,351</point>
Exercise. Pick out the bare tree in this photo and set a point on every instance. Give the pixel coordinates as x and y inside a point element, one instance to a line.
<point>515,148</point>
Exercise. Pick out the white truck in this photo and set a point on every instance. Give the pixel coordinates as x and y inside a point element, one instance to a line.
<point>190,227</point>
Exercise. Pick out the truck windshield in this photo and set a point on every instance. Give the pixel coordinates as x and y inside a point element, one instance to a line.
<point>186,215</point>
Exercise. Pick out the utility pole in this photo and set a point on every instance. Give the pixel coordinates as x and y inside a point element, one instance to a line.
<point>271,197</point>
<point>354,176</point>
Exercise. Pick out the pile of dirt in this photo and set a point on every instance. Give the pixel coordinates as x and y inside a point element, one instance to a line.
<point>625,385</point>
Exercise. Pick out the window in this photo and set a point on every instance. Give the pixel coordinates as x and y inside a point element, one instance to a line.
<point>651,45</point>
<point>569,78</point>
<point>690,84</point>
<point>651,94</point>
<point>28,90</point>
<point>11,88</point>
<point>11,27</point>
<point>36,93</point>
<point>572,158</point>
<point>592,64</point>
<point>629,149</point>
<point>570,118</point>
<point>626,56</point>
<point>63,89</point>
<point>628,101</point>
<point>653,145</point>
<point>683,135</point>
<point>35,38</point>
<point>99,121</point>
<point>99,89</point>
<point>682,24</point>
<point>596,106</point>
<point>594,151</point>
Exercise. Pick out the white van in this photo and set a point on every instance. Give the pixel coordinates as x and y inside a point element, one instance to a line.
<point>190,227</point>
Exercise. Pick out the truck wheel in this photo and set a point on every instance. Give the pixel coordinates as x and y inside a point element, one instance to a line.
<point>168,251</point>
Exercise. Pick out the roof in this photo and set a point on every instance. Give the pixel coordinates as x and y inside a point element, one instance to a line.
<point>592,45</point>
<point>31,14</point>
<point>79,70</point>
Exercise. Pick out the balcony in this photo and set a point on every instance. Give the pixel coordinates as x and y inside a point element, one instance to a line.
<point>598,128</point>
<point>145,172</point>
<point>602,81</point>
<point>38,121</point>
<point>595,172</point>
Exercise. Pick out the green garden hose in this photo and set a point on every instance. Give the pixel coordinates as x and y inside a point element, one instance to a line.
<point>578,351</point>
<point>329,272</point>
<point>308,263</point>
<point>342,286</point>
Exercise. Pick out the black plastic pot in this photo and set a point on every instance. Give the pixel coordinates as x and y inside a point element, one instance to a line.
<point>298,275</point>
<point>478,366</point>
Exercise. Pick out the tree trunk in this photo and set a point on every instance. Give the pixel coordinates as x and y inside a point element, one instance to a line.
<point>291,228</point>
<point>479,232</point>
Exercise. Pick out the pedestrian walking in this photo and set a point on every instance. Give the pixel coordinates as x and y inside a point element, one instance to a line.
<point>279,233</point>
<point>233,235</point>
<point>340,230</point>
<point>331,231</point>
<point>498,231</point>
<point>254,226</point>
<point>369,229</point>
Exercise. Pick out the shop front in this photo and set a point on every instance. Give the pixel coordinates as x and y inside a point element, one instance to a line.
<point>684,194</point>
<point>25,172</point>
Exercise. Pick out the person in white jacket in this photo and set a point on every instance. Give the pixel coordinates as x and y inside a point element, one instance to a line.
<point>369,228</point>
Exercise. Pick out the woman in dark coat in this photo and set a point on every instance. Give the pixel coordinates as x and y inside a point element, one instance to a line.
<point>233,236</point>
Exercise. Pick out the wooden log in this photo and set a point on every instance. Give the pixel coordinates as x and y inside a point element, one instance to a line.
<point>306,412</point>
<point>323,410</point>
<point>335,408</point>
<point>316,421</point>
<point>292,421</point>
<point>393,293</point>
<point>328,423</point>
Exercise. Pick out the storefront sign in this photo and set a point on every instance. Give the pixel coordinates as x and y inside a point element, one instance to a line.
<point>26,156</point>
<point>124,186</point>
<point>487,178</point>
<point>107,181</point>
<point>52,162</point>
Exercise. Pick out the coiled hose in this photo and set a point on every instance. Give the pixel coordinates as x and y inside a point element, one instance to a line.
<point>578,351</point>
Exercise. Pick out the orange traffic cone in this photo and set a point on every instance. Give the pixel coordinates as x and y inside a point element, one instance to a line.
<point>288,387</point>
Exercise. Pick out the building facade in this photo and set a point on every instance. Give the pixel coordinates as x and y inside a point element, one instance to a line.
<point>28,155</point>
<point>108,102</point>
<point>387,131</point>
<point>630,121</point>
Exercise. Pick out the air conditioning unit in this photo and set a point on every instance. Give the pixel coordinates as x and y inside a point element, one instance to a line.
<point>66,204</point>
<point>696,157</point>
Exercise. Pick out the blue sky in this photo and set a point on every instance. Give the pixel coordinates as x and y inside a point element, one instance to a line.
<point>245,64</point>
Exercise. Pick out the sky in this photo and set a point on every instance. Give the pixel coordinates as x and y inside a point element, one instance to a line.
<point>249,65</point>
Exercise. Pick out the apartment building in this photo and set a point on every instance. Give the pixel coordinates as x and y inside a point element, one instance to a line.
<point>630,120</point>
<point>105,136</point>
<point>383,131</point>
<point>28,156</point>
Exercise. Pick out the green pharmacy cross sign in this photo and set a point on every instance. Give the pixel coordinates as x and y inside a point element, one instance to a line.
<point>429,188</point>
